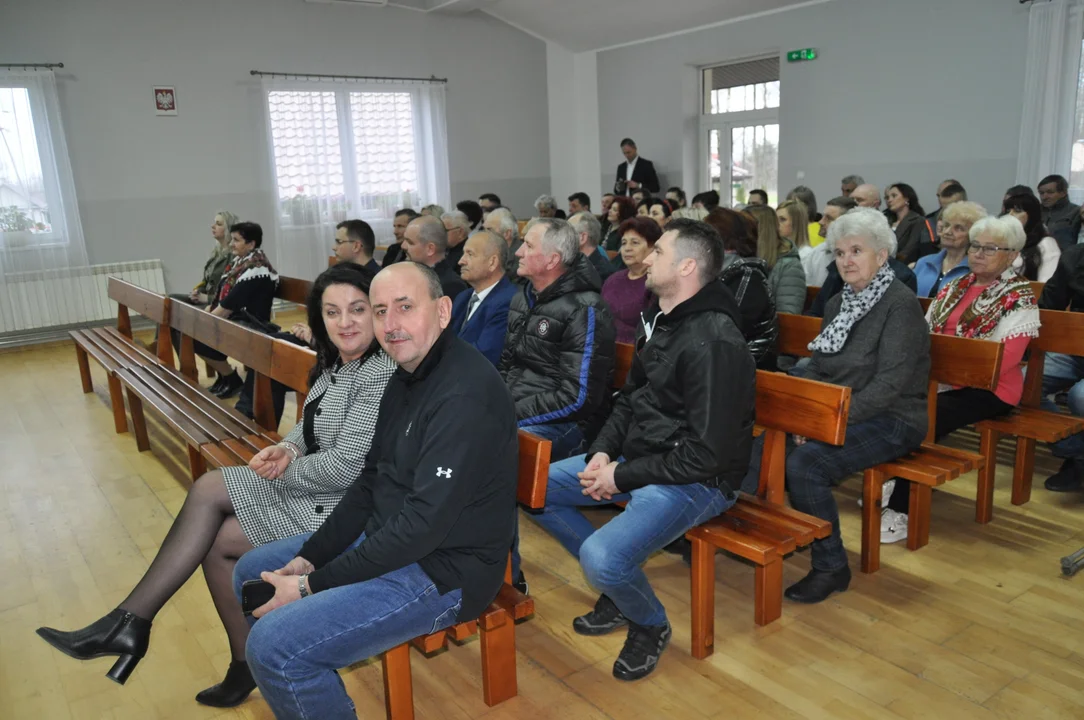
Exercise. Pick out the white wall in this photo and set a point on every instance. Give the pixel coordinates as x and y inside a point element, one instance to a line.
<point>572,81</point>
<point>149,186</point>
<point>912,92</point>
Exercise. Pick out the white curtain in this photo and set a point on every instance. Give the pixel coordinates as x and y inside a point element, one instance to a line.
<point>1051,76</point>
<point>343,150</point>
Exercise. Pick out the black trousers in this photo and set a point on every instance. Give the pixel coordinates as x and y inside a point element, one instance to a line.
<point>955,409</point>
<point>245,403</point>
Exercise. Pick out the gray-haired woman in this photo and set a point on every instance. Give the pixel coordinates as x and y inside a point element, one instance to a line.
<point>875,341</point>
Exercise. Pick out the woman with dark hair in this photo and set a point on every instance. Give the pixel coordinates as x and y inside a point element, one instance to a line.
<point>621,209</point>
<point>746,276</point>
<point>659,210</point>
<point>626,291</point>
<point>286,489</point>
<point>908,221</point>
<point>1039,258</point>
<point>786,276</point>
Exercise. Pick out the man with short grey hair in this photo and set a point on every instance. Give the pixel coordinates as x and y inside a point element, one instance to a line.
<point>426,242</point>
<point>457,225</point>
<point>867,195</point>
<point>849,183</point>
<point>589,230</point>
<point>502,222</point>
<point>558,354</point>
<point>480,314</point>
<point>546,205</point>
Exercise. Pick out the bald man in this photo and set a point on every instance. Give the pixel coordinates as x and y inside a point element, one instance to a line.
<point>867,195</point>
<point>420,540</point>
<point>425,241</point>
<point>480,314</point>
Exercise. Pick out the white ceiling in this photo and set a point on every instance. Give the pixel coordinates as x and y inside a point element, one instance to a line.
<point>581,25</point>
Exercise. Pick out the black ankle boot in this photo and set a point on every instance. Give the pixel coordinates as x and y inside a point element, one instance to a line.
<point>231,385</point>
<point>232,691</point>
<point>1067,479</point>
<point>818,585</point>
<point>118,633</point>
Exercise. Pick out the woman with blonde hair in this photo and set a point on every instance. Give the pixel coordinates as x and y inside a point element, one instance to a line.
<point>794,225</point>
<point>786,276</point>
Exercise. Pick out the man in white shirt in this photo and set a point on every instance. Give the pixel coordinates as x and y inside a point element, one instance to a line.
<point>636,172</point>
<point>480,313</point>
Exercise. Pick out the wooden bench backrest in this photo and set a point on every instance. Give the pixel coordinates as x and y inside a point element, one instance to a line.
<point>133,298</point>
<point>795,334</point>
<point>249,347</point>
<point>534,468</point>
<point>612,253</point>
<point>810,295</point>
<point>293,290</point>
<point>291,364</point>
<point>623,357</point>
<point>1061,332</point>
<point>332,260</point>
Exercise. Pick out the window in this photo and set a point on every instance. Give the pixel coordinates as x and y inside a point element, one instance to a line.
<point>1076,174</point>
<point>342,154</point>
<point>28,195</point>
<point>740,129</point>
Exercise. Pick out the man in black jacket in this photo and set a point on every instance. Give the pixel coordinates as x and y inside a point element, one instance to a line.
<point>675,448</point>
<point>636,172</point>
<point>1065,291</point>
<point>426,242</point>
<point>420,540</point>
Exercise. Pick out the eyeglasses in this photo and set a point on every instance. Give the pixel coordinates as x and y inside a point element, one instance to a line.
<point>986,250</point>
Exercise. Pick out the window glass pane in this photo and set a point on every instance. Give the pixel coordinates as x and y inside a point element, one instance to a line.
<point>771,93</point>
<point>1076,168</point>
<point>308,154</point>
<point>24,205</point>
<point>754,162</point>
<point>384,150</point>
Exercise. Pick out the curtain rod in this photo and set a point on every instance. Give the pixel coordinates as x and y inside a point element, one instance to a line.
<point>378,78</point>
<point>32,65</point>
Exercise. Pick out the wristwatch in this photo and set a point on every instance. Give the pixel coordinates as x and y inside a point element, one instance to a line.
<point>303,585</point>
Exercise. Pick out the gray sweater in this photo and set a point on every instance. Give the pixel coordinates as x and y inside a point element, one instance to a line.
<point>885,361</point>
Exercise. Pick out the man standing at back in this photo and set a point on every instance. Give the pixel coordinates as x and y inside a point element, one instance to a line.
<point>675,448</point>
<point>636,172</point>
<point>426,242</point>
<point>420,540</point>
<point>480,313</point>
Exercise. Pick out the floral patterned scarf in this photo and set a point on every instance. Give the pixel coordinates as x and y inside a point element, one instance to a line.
<point>1003,310</point>
<point>239,269</point>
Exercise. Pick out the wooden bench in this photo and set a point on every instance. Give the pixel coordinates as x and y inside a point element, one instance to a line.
<point>960,362</point>
<point>293,290</point>
<point>1061,332</point>
<point>497,623</point>
<point>761,529</point>
<point>99,343</point>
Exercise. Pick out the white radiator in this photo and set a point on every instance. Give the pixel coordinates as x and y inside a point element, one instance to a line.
<point>69,296</point>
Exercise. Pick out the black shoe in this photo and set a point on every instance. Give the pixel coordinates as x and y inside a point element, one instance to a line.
<point>1067,479</point>
<point>603,619</point>
<point>520,584</point>
<point>231,385</point>
<point>642,651</point>
<point>118,633</point>
<point>818,585</point>
<point>216,386</point>
<point>681,547</point>
<point>232,691</point>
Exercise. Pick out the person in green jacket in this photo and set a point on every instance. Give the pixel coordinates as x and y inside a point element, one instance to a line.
<point>786,277</point>
<point>204,291</point>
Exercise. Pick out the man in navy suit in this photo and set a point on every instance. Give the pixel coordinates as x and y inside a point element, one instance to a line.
<point>480,313</point>
<point>636,172</point>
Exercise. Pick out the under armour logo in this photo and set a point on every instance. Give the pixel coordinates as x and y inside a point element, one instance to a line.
<point>442,472</point>
<point>409,425</point>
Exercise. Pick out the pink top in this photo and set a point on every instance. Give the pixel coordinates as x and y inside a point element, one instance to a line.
<point>1010,384</point>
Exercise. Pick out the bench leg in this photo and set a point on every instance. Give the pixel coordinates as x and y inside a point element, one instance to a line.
<point>984,502</point>
<point>196,464</point>
<point>703,599</point>
<point>84,369</point>
<point>872,490</point>
<point>116,398</point>
<point>139,421</point>
<point>918,518</point>
<point>398,685</point>
<point>769,592</point>
<point>1023,471</point>
<point>498,658</point>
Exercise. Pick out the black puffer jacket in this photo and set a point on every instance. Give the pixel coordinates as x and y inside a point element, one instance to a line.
<point>686,414</point>
<point>558,356</point>
<point>747,280</point>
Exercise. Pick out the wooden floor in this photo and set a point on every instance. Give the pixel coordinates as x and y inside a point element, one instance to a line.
<point>979,624</point>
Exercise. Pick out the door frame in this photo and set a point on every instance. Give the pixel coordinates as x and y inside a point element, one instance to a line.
<point>725,123</point>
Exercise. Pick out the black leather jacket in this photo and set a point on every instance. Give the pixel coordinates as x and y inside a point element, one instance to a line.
<point>747,280</point>
<point>686,413</point>
<point>558,356</point>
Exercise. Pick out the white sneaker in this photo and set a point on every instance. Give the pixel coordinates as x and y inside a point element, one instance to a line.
<point>893,526</point>
<point>886,492</point>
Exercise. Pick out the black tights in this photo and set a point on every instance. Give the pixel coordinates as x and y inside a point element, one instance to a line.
<point>206,532</point>
<point>955,409</point>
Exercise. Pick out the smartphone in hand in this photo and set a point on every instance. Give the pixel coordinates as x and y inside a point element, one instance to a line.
<point>254,594</point>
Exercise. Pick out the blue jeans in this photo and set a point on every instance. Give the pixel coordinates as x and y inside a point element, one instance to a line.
<point>1065,372</point>
<point>566,438</point>
<point>294,652</point>
<point>611,556</point>
<point>814,468</point>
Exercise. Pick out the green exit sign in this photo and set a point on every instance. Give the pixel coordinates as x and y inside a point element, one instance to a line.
<point>800,55</point>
